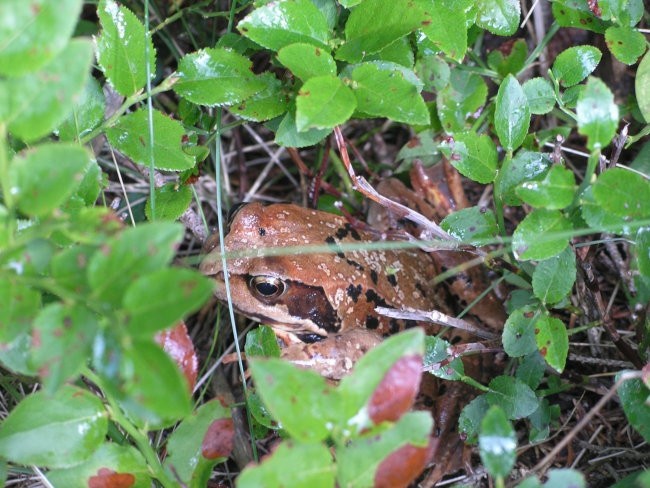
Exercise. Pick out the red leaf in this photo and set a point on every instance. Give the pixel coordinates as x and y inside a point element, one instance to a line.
<point>107,478</point>
<point>396,392</point>
<point>401,467</point>
<point>177,343</point>
<point>218,440</point>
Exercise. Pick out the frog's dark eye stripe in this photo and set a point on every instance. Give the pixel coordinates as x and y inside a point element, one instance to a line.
<point>266,286</point>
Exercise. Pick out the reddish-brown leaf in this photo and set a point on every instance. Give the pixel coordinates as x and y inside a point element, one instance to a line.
<point>107,478</point>
<point>396,392</point>
<point>177,343</point>
<point>218,440</point>
<point>401,467</point>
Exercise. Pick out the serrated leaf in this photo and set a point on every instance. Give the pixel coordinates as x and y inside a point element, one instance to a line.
<point>540,95</point>
<point>34,32</point>
<point>575,63</point>
<point>512,115</point>
<point>525,166</point>
<point>625,43</point>
<point>160,299</point>
<point>597,217</point>
<point>310,465</point>
<point>531,369</point>
<point>35,103</point>
<point>123,48</point>
<point>576,13</point>
<point>87,113</point>
<point>386,90</point>
<point>597,114</point>
<point>500,17</point>
<point>374,24</point>
<point>642,86</point>
<point>299,399</point>
<point>497,443</point>
<point>634,397</point>
<point>73,418</point>
<point>623,193</point>
<point>553,278</point>
<point>473,155</point>
<point>473,225</point>
<point>19,304</point>
<point>287,133</point>
<point>307,61</point>
<point>433,71</point>
<point>129,136</point>
<point>515,397</point>
<point>399,52</point>
<point>519,333</point>
<point>323,102</point>
<point>44,178</point>
<point>555,191</point>
<point>446,28</point>
<point>171,201</point>
<point>217,76</point>
<point>552,341</point>
<point>262,342</point>
<point>470,418</point>
<point>509,58</point>
<point>265,105</point>
<point>278,24</point>
<point>460,99</point>
<point>542,234</point>
<point>623,12</point>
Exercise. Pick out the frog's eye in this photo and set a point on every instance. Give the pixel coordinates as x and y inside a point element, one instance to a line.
<point>266,286</point>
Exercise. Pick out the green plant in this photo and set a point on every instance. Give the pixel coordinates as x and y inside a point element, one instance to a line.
<point>83,297</point>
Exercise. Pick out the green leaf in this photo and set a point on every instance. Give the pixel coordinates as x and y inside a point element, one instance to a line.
<point>265,105</point>
<point>515,397</point>
<point>470,418</point>
<point>500,17</point>
<point>374,24</point>
<point>129,136</point>
<point>623,193</point>
<point>497,443</point>
<point>299,399</point>
<point>172,200</point>
<point>384,89</point>
<point>540,95</point>
<point>158,300</point>
<point>460,99</point>
<point>87,113</point>
<point>623,12</point>
<point>642,242</point>
<point>35,103</point>
<point>446,28</point>
<point>19,304</point>
<point>542,234</point>
<point>519,333</point>
<point>310,465</point>
<point>575,63</point>
<point>307,61</point>
<point>108,460</point>
<point>62,339</point>
<point>323,102</point>
<point>597,114</point>
<point>555,191</point>
<point>399,52</point>
<point>154,392</point>
<point>287,133</point>
<point>358,461</point>
<point>278,24</point>
<point>597,217</point>
<point>625,43</point>
<point>45,177</point>
<point>262,342</point>
<point>34,32</point>
<point>565,478</point>
<point>509,58</point>
<point>192,440</point>
<point>473,155</point>
<point>512,115</point>
<point>122,48</point>
<point>433,71</point>
<point>575,13</point>
<point>217,76</point>
<point>552,341</point>
<point>73,420</point>
<point>634,396</point>
<point>131,254</point>
<point>553,278</point>
<point>525,166</point>
<point>642,86</point>
<point>531,369</point>
<point>473,225</point>
<point>68,268</point>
